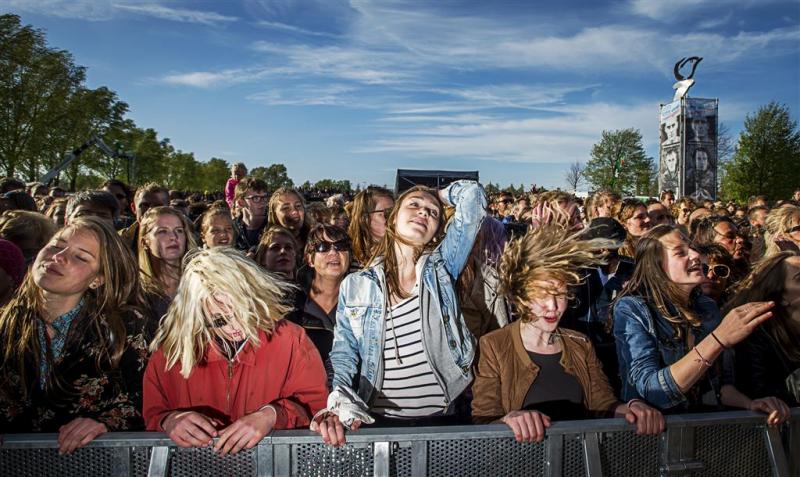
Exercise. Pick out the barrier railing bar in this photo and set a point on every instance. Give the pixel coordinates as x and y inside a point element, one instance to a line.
<point>777,457</point>
<point>369,435</point>
<point>554,455</point>
<point>677,452</point>
<point>591,453</point>
<point>380,459</point>
<point>159,460</point>
<point>419,458</point>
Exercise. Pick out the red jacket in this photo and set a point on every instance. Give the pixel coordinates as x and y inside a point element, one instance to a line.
<point>285,371</point>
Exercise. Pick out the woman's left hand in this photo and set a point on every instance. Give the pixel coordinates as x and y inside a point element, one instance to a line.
<point>648,420</point>
<point>77,433</point>
<point>777,411</point>
<point>246,432</point>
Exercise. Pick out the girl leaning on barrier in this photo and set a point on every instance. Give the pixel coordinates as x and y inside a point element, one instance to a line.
<point>671,341</point>
<point>400,340</point>
<point>768,361</point>
<point>532,371</point>
<point>73,353</point>
<point>225,364</point>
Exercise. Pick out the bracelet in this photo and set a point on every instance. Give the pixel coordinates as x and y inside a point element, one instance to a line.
<point>718,341</point>
<point>633,401</point>
<point>702,360</point>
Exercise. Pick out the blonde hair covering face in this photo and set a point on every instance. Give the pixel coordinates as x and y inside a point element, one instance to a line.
<point>257,299</point>
<point>778,221</point>
<point>549,252</point>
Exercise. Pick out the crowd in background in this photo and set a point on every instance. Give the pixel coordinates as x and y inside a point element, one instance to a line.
<point>225,316</point>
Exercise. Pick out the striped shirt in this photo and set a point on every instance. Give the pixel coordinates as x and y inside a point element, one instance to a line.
<point>409,387</point>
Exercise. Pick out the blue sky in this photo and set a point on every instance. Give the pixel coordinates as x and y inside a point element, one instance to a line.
<point>354,90</point>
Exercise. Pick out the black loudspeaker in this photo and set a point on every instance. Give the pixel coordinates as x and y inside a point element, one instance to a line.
<point>408,178</point>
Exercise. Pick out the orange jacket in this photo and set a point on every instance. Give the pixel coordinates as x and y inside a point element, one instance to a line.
<point>285,371</point>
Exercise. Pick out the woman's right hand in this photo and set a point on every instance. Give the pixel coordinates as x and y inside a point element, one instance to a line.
<point>741,321</point>
<point>528,426</point>
<point>332,430</point>
<point>190,429</point>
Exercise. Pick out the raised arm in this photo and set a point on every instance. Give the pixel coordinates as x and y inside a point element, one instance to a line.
<point>469,199</point>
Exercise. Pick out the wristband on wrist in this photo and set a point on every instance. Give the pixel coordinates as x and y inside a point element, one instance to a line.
<point>703,361</point>
<point>628,405</point>
<point>718,341</point>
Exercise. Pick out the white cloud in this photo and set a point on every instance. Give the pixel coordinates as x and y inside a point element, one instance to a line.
<point>307,95</point>
<point>667,10</point>
<point>177,14</point>
<point>293,29</point>
<point>209,79</point>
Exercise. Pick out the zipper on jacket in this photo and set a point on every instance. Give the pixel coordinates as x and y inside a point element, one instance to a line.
<point>230,381</point>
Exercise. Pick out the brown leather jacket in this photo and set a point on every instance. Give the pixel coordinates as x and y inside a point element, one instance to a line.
<point>505,372</point>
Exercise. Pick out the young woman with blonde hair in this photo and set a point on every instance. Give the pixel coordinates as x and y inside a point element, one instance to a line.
<point>165,237</point>
<point>782,229</point>
<point>533,371</point>
<point>72,351</point>
<point>368,214</point>
<point>287,208</point>
<point>400,340</point>
<point>225,363</point>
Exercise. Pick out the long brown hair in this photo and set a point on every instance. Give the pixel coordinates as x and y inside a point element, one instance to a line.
<point>152,269</point>
<point>360,209</point>
<point>651,282</point>
<point>385,248</point>
<point>766,283</point>
<point>272,214</point>
<point>104,305</point>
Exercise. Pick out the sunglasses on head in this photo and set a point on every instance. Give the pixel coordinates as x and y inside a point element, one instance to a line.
<point>720,271</point>
<point>339,246</point>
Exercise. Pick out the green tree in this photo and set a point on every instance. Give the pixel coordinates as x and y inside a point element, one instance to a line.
<point>275,176</point>
<point>767,159</point>
<point>618,162</point>
<point>213,174</point>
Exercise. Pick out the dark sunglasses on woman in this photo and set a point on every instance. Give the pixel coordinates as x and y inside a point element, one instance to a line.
<point>339,246</point>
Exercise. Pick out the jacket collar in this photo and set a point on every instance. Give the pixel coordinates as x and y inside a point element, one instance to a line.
<point>246,356</point>
<point>567,347</point>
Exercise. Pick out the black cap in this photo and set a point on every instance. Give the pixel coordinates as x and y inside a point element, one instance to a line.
<point>605,228</point>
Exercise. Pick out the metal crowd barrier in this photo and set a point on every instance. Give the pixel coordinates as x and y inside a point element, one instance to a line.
<point>716,444</point>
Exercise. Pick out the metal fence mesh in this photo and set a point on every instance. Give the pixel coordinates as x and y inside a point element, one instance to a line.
<point>624,454</point>
<point>732,450</point>
<point>484,457</point>
<point>319,460</point>
<point>89,462</point>
<point>203,461</point>
<point>573,461</point>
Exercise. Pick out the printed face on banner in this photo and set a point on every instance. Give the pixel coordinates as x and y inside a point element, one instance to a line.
<point>669,170</point>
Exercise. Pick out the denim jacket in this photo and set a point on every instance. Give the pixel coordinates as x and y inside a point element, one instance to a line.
<point>647,347</point>
<point>358,343</point>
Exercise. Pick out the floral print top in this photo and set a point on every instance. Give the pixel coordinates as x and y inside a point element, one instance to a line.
<point>61,326</point>
<point>81,382</point>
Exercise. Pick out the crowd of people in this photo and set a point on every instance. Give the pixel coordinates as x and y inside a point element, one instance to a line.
<point>227,316</point>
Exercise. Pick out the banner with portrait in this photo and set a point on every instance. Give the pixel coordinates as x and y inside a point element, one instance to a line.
<point>700,151</point>
<point>671,150</point>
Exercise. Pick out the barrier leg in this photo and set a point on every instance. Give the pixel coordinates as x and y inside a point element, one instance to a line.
<point>777,457</point>
<point>591,452</point>
<point>122,461</point>
<point>263,455</point>
<point>282,460</point>
<point>159,458</point>
<point>554,455</point>
<point>677,452</point>
<point>380,459</point>
<point>419,458</point>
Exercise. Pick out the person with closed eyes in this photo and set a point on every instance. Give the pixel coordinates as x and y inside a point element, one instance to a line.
<point>401,342</point>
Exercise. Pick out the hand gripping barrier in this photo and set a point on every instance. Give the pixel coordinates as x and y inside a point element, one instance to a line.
<point>715,444</point>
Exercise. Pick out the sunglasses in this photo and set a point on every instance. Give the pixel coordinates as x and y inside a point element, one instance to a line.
<point>218,320</point>
<point>257,198</point>
<point>340,246</point>
<point>794,229</point>
<point>386,213</point>
<point>720,271</point>
<point>506,201</point>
